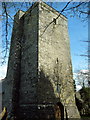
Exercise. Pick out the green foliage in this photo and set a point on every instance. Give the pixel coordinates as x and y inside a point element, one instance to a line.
<point>85,95</point>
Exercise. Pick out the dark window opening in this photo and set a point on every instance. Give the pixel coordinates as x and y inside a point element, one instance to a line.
<point>54,20</point>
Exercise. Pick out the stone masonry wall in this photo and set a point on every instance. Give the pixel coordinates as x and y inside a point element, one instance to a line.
<point>56,81</point>
<point>29,64</point>
<point>39,69</point>
<point>29,57</point>
<point>11,83</point>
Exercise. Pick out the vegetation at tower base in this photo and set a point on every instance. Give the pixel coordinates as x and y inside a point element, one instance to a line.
<point>83,102</point>
<point>39,82</point>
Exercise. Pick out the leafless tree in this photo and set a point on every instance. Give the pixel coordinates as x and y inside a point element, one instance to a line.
<point>9,9</point>
<point>82,78</point>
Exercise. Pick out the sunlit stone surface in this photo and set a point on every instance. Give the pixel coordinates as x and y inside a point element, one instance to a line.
<point>39,69</point>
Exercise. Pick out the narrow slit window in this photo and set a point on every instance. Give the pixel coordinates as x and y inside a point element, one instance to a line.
<point>54,20</point>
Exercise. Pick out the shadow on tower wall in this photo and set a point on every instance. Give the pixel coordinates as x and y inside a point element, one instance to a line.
<point>46,107</point>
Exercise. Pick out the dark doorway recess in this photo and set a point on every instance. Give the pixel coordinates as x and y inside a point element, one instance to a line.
<point>59,111</point>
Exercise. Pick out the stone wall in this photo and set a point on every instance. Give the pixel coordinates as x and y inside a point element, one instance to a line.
<point>10,86</point>
<point>29,57</point>
<point>39,69</point>
<point>56,80</point>
<point>29,63</point>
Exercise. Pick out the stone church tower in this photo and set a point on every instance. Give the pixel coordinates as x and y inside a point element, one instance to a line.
<point>39,76</point>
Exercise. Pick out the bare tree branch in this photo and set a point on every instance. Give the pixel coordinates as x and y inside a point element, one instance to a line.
<point>56,17</point>
<point>6,29</point>
<point>84,12</point>
<point>75,6</point>
<point>63,9</point>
